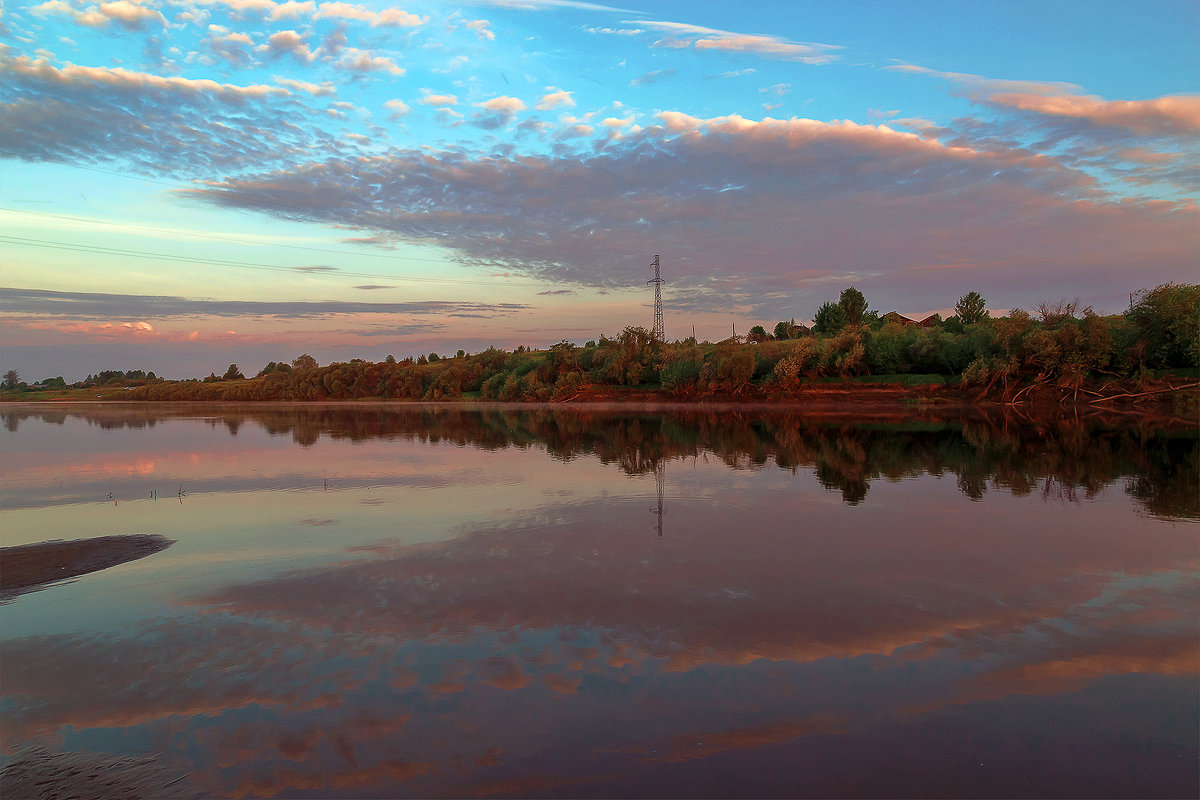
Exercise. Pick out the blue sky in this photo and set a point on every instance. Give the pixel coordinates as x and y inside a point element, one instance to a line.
<point>189,184</point>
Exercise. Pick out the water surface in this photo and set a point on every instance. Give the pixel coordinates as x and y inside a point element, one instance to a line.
<point>459,601</point>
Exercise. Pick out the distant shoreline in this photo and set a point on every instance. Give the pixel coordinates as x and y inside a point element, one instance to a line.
<point>814,395</point>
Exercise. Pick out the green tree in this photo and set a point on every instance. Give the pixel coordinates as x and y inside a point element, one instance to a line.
<point>854,304</point>
<point>11,379</point>
<point>971,308</point>
<point>304,362</point>
<point>783,331</point>
<point>391,359</point>
<point>1167,321</point>
<point>233,374</point>
<point>830,318</point>
<point>757,334</point>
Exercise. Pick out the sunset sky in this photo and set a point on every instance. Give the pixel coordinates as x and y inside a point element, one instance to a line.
<point>188,184</point>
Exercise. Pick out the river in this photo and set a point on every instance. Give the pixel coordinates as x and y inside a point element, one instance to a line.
<point>478,601</point>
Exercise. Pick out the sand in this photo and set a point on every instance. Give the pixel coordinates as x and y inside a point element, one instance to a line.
<point>28,567</point>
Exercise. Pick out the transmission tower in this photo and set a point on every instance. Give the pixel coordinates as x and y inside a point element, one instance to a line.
<point>657,280</point>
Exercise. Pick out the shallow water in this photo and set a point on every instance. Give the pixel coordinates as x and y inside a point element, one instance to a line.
<point>430,601</point>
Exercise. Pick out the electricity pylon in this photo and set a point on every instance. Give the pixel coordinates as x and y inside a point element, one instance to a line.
<point>657,280</point>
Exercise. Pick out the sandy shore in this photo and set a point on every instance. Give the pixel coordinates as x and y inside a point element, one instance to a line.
<point>28,567</point>
<point>35,773</point>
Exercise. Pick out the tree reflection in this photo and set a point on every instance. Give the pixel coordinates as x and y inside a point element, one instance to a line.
<point>1062,455</point>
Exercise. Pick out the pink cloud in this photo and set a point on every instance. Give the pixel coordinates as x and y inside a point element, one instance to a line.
<point>1175,115</point>
<point>683,35</point>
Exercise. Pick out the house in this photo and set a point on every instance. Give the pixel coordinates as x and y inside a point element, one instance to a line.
<point>894,316</point>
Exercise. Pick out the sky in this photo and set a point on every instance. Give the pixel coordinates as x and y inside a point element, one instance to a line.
<point>188,184</point>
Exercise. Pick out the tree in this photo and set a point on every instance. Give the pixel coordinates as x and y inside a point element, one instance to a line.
<point>233,374</point>
<point>830,319</point>
<point>391,359</point>
<point>1167,320</point>
<point>782,331</point>
<point>971,308</point>
<point>11,379</point>
<point>1055,314</point>
<point>854,304</point>
<point>757,334</point>
<point>305,362</point>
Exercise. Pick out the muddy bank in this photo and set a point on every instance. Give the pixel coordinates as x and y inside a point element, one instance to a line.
<point>28,567</point>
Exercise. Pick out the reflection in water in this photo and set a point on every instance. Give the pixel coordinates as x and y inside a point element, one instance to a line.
<point>1063,456</point>
<point>909,607</point>
<point>660,481</point>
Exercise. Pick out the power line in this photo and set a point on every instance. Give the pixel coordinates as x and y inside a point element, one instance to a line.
<point>81,248</point>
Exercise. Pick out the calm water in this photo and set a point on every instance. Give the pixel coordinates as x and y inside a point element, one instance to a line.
<point>424,601</point>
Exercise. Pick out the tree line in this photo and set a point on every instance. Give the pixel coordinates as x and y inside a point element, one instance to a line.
<point>1057,345</point>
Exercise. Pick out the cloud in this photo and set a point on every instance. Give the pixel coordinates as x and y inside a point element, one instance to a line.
<point>1177,115</point>
<point>616,31</point>
<point>159,124</point>
<point>503,109</point>
<point>737,73</point>
<point>230,46</point>
<point>616,122</point>
<point>480,26</point>
<point>651,77</point>
<point>1085,131</point>
<point>503,105</point>
<point>92,306</point>
<point>355,60</point>
<point>749,208</point>
<point>439,100</point>
<point>555,98</point>
<point>683,35</point>
<point>289,42</point>
<point>23,68</point>
<point>398,108</point>
<point>549,292</point>
<point>293,9</point>
<point>131,16</point>
<point>325,89</point>
<point>1172,115</point>
<point>388,18</point>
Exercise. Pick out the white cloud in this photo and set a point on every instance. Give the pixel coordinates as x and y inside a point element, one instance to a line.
<point>614,122</point>
<point>683,35</point>
<point>131,16</point>
<point>388,18</point>
<point>481,28</point>
<point>324,89</point>
<point>503,104</point>
<point>292,9</point>
<point>439,100</point>
<point>289,42</point>
<point>554,99</point>
<point>356,60</point>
